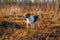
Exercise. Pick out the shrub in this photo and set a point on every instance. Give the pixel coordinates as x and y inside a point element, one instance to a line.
<point>8,1</point>
<point>30,3</point>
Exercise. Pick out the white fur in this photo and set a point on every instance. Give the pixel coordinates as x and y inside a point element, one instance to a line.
<point>28,22</point>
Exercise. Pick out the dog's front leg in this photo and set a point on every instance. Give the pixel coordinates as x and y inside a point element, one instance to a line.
<point>27,23</point>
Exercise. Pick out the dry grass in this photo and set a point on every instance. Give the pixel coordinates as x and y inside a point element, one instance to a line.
<point>50,17</point>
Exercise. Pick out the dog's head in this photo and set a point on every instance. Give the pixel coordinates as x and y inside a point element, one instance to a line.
<point>27,15</point>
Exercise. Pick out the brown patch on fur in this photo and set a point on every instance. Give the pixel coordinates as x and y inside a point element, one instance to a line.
<point>28,15</point>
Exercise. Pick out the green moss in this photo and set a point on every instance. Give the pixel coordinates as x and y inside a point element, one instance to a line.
<point>31,31</point>
<point>1,33</point>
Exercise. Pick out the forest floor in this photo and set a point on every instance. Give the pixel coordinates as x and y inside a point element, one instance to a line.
<point>49,24</point>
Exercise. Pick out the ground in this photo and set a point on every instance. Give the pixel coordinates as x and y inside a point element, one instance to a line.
<point>49,23</point>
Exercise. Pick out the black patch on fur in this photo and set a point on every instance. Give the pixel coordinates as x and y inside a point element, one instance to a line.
<point>35,18</point>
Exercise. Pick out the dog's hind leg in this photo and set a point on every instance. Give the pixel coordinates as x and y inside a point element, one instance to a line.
<point>32,24</point>
<point>38,23</point>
